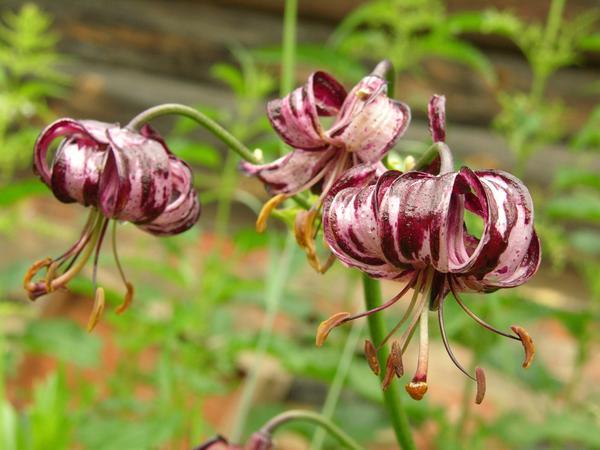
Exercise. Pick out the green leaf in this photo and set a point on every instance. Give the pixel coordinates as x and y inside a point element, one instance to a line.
<point>65,340</point>
<point>570,177</point>
<point>580,206</point>
<point>20,190</point>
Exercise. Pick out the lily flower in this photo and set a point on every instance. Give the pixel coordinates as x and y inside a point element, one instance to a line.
<point>258,441</point>
<point>366,124</point>
<point>123,175</point>
<point>411,227</point>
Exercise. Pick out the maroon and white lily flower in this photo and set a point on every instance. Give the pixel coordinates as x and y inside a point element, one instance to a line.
<point>123,175</point>
<point>411,227</point>
<point>366,124</point>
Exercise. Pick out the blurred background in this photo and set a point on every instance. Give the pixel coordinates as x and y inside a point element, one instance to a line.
<point>220,336</point>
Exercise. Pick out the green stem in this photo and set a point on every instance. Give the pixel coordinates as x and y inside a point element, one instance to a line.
<point>202,119</point>
<point>391,396</point>
<point>275,285</point>
<point>313,417</point>
<point>438,148</point>
<point>288,56</point>
<point>540,68</point>
<point>338,381</point>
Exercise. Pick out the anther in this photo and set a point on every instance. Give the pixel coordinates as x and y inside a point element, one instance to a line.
<point>127,300</point>
<point>51,275</point>
<point>97,309</point>
<point>527,343</point>
<point>265,212</point>
<point>396,359</point>
<point>371,354</point>
<point>327,325</point>
<point>480,378</point>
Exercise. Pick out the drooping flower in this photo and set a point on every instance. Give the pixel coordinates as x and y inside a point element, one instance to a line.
<point>123,175</point>
<point>258,441</point>
<point>366,124</point>
<point>411,227</point>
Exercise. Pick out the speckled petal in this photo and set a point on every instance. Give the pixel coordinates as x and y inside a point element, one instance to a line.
<point>511,253</point>
<point>350,224</point>
<point>294,172</point>
<point>135,184</point>
<point>88,135</point>
<point>296,116</point>
<point>76,172</point>
<point>183,209</point>
<point>370,123</point>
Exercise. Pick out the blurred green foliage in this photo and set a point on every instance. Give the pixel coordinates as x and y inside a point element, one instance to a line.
<point>176,343</point>
<point>28,78</point>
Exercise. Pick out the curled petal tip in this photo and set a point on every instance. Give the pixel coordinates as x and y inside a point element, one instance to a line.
<point>371,354</point>
<point>480,378</point>
<point>437,117</point>
<point>527,343</point>
<point>327,325</point>
<point>99,303</point>
<point>127,300</point>
<point>267,209</point>
<point>416,389</point>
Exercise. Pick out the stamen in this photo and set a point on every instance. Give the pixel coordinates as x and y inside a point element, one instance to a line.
<point>527,344</point>
<point>408,311</point>
<point>51,275</point>
<point>96,310</point>
<point>32,271</point>
<point>130,291</point>
<point>327,325</point>
<point>371,354</point>
<point>475,317</point>
<point>418,385</point>
<point>480,375</point>
<point>84,247</point>
<point>97,252</point>
<point>447,344</point>
<point>389,374</point>
<point>265,212</point>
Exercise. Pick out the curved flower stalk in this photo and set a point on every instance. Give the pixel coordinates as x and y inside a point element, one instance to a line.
<point>122,175</point>
<point>411,227</point>
<point>366,124</point>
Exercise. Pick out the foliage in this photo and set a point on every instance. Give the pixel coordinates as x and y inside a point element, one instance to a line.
<point>28,77</point>
<point>176,347</point>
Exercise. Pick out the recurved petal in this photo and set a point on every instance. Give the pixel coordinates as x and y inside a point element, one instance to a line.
<point>85,133</point>
<point>511,254</point>
<point>76,172</point>
<point>370,122</point>
<point>350,224</point>
<point>296,116</point>
<point>135,184</point>
<point>294,172</point>
<point>183,210</point>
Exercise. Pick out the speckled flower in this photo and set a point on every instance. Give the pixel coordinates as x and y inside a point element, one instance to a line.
<point>411,227</point>
<point>122,175</point>
<point>366,124</point>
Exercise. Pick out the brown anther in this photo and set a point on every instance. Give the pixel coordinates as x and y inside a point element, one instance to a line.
<point>363,94</point>
<point>33,270</point>
<point>371,354</point>
<point>389,373</point>
<point>396,359</point>
<point>416,389</point>
<point>527,343</point>
<point>265,212</point>
<point>480,377</point>
<point>304,231</point>
<point>327,325</point>
<point>127,300</point>
<point>51,275</point>
<point>96,310</point>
